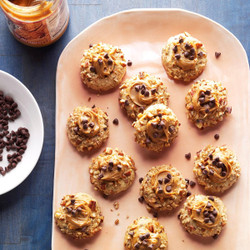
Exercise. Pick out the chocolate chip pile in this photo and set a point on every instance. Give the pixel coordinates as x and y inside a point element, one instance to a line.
<point>12,141</point>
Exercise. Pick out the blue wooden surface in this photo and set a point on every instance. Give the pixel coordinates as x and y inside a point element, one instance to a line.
<point>26,211</point>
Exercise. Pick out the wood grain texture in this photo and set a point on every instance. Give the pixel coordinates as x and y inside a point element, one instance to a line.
<point>25,212</point>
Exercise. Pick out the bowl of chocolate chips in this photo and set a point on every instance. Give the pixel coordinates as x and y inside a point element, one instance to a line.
<point>21,132</point>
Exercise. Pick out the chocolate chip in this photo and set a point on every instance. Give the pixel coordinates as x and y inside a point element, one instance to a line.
<point>91,125</point>
<point>206,220</point>
<point>168,188</point>
<point>215,236</point>
<point>73,201</point>
<point>104,168</point>
<point>85,126</point>
<point>210,156</point>
<point>160,181</point>
<point>175,49</point>
<point>216,136</point>
<point>188,156</point>
<point>217,54</point>
<point>92,69</point>
<point>90,45</point>
<point>137,245</point>
<point>8,99</point>
<point>166,180</point>
<point>206,213</point>
<point>129,63</point>
<point>155,214</point>
<point>126,103</point>
<point>229,110</point>
<point>143,91</point>
<point>186,54</point>
<point>153,91</point>
<point>140,179</point>
<point>181,40</point>
<point>177,56</point>
<point>208,205</point>
<point>192,183</point>
<point>119,167</point>
<point>131,233</point>
<point>171,129</point>
<point>169,176</point>
<point>155,134</point>
<point>137,88</point>
<point>204,172</point>
<point>211,172</point>
<point>110,61</point>
<point>106,56</point>
<point>111,163</point>
<point>115,121</point>
<point>187,181</point>
<point>160,191</point>
<point>200,54</point>
<point>198,211</point>
<point>100,176</point>
<point>201,99</point>
<point>188,193</point>
<point>192,51</point>
<point>141,199</point>
<point>214,212</point>
<point>212,218</point>
<point>146,94</point>
<point>188,46</point>
<point>223,173</point>
<point>191,58</point>
<point>100,62</point>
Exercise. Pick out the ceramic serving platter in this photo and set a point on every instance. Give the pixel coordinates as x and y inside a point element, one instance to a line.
<point>141,35</point>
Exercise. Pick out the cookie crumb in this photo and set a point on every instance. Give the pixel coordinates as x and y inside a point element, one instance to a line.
<point>127,217</point>
<point>89,99</point>
<point>118,214</point>
<point>217,54</point>
<point>115,121</point>
<point>116,222</point>
<point>111,210</point>
<point>216,136</point>
<point>93,106</point>
<point>116,205</point>
<point>192,184</point>
<point>188,156</point>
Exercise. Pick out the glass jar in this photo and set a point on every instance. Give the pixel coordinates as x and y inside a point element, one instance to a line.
<point>36,23</point>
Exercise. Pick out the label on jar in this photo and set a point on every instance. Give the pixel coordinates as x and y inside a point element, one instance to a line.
<point>43,32</point>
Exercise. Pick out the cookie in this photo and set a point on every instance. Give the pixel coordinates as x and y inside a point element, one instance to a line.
<point>145,233</point>
<point>204,216</point>
<point>102,67</point>
<point>206,103</point>
<point>216,168</point>
<point>184,57</point>
<point>141,91</point>
<point>163,188</point>
<point>112,171</point>
<point>79,216</point>
<point>156,127</point>
<point>87,128</point>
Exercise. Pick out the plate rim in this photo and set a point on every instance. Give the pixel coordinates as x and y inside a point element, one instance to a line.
<point>42,131</point>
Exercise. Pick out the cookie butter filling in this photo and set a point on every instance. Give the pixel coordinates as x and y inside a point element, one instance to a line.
<point>142,94</point>
<point>204,101</point>
<point>164,184</point>
<point>88,124</point>
<point>205,213</point>
<point>79,213</point>
<point>216,168</point>
<point>113,171</point>
<point>145,237</point>
<point>159,129</point>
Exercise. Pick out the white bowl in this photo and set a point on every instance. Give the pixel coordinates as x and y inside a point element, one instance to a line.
<point>30,118</point>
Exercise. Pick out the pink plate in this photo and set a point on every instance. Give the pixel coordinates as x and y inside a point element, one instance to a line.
<point>141,35</point>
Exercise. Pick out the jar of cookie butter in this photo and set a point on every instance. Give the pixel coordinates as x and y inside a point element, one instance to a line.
<point>36,23</point>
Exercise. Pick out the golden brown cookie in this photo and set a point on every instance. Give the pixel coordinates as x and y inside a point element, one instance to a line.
<point>204,216</point>
<point>145,233</point>
<point>216,168</point>
<point>163,188</point>
<point>79,216</point>
<point>156,128</point>
<point>87,128</point>
<point>206,103</point>
<point>141,91</point>
<point>112,171</point>
<point>102,67</point>
<point>184,57</point>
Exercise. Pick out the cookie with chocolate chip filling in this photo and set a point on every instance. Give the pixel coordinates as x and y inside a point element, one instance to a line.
<point>163,188</point>
<point>87,128</point>
<point>203,215</point>
<point>112,171</point>
<point>216,168</point>
<point>156,127</point>
<point>146,233</point>
<point>102,67</point>
<point>141,91</point>
<point>184,57</point>
<point>79,216</point>
<point>206,103</point>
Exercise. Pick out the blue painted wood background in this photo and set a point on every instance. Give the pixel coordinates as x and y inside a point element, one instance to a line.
<point>26,211</point>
